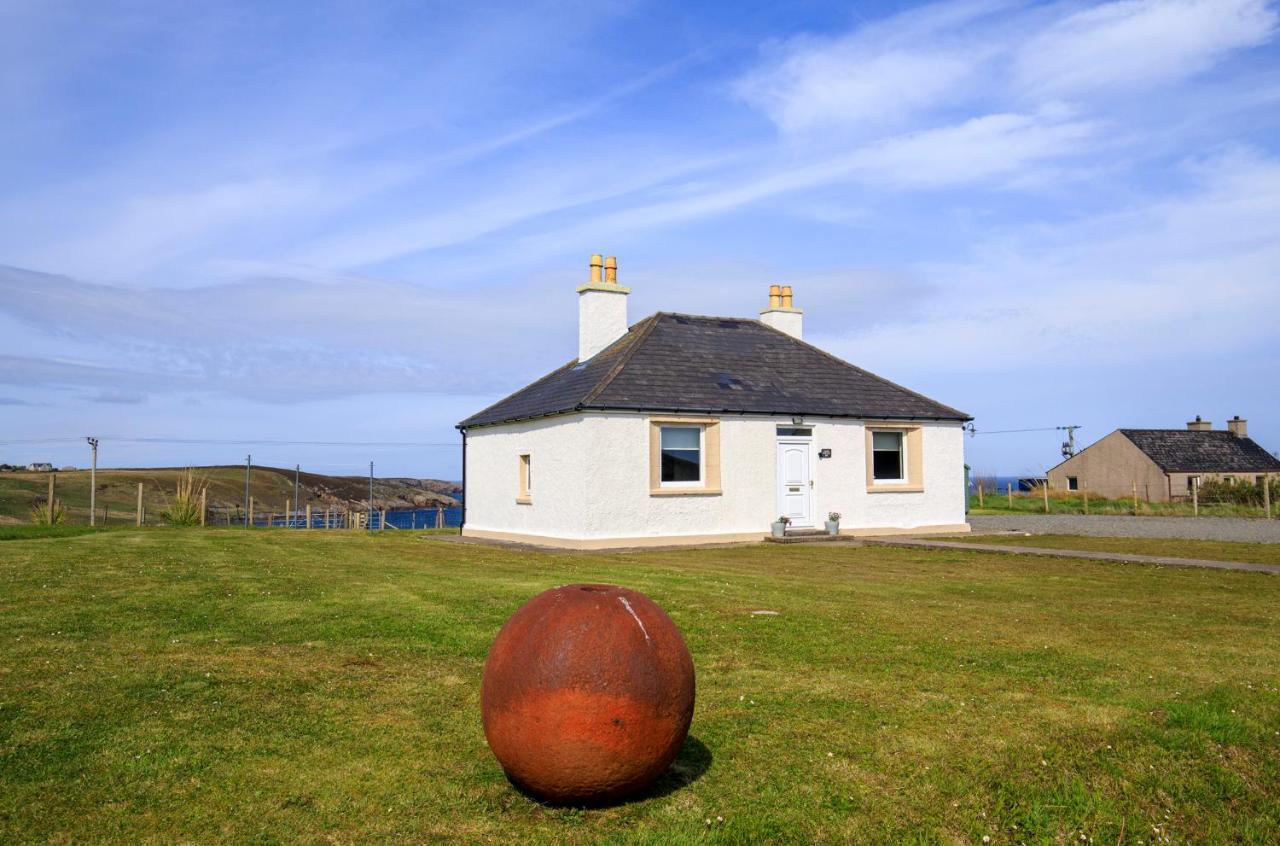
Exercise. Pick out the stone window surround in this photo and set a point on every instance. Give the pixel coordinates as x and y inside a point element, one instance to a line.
<point>913,447</point>
<point>710,458</point>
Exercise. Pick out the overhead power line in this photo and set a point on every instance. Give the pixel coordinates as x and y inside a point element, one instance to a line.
<point>234,442</point>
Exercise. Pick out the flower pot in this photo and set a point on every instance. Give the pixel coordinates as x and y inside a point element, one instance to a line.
<point>833,527</point>
<point>779,530</point>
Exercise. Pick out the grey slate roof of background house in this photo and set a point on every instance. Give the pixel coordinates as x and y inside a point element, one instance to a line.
<point>1184,450</point>
<point>686,363</point>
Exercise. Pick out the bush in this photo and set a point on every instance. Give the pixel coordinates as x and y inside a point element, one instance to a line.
<point>46,513</point>
<point>185,508</point>
<point>1236,491</point>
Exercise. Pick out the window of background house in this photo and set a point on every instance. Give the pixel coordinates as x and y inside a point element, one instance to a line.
<point>1073,483</point>
<point>887,463</point>
<point>681,455</point>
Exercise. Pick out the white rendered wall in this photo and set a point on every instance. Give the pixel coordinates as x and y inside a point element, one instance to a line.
<point>602,319</point>
<point>557,468</point>
<point>790,321</point>
<point>592,480</point>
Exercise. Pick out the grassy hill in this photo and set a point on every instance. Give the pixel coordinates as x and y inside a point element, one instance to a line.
<point>271,488</point>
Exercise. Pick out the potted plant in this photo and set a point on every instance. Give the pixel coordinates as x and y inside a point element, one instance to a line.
<point>833,523</point>
<point>780,526</point>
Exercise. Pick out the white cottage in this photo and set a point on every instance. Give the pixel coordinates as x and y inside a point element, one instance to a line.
<point>690,429</point>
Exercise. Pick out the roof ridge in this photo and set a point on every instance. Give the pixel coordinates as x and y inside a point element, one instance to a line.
<point>839,360</point>
<point>641,334</point>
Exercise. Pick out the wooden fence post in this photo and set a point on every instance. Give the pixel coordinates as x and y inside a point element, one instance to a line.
<point>1046,496</point>
<point>204,505</point>
<point>137,516</point>
<point>1266,494</point>
<point>48,503</point>
<point>1135,498</point>
<point>439,517</point>
<point>979,494</point>
<point>383,524</point>
<point>1010,486</point>
<point>1084,490</point>
<point>308,515</point>
<point>1195,496</point>
<point>249,517</point>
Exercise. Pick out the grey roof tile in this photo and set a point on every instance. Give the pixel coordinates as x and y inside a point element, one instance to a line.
<point>1184,450</point>
<point>689,363</point>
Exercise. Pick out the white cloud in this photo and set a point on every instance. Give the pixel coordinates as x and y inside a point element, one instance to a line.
<point>1140,43</point>
<point>1156,285</point>
<point>933,60</point>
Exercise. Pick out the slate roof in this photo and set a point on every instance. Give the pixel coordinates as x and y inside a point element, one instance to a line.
<point>686,363</point>
<point>1183,450</point>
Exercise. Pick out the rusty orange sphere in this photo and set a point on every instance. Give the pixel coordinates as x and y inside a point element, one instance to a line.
<point>587,694</point>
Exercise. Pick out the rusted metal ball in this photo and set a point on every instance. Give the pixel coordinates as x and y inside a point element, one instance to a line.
<point>587,694</point>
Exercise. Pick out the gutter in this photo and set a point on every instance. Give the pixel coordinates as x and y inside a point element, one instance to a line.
<point>717,411</point>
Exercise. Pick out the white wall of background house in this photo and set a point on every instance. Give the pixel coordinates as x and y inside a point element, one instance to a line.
<point>591,481</point>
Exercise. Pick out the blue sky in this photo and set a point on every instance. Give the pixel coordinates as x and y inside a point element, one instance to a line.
<point>361,222</point>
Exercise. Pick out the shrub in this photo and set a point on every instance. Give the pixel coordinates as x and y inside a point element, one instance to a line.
<point>1236,491</point>
<point>48,513</point>
<point>184,510</point>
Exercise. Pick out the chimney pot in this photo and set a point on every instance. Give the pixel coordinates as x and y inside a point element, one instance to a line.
<point>596,261</point>
<point>781,314</point>
<point>611,270</point>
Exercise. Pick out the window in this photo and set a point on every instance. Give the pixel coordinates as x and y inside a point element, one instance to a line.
<point>887,463</point>
<point>681,455</point>
<point>895,458</point>
<point>524,494</point>
<point>795,432</point>
<point>1073,483</point>
<point>684,456</point>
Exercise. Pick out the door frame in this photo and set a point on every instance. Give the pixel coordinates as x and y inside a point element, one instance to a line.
<point>807,442</point>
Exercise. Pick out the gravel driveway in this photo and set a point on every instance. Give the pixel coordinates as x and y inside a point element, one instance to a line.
<point>1117,526</point>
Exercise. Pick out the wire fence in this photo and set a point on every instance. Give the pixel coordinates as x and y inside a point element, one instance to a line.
<point>335,490</point>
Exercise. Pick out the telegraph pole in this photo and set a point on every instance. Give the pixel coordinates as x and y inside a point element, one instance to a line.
<point>93,483</point>
<point>297,471</point>
<point>370,494</point>
<point>248,468</point>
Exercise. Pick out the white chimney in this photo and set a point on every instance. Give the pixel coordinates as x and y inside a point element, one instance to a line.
<point>602,309</point>
<point>781,314</point>
<point>1238,427</point>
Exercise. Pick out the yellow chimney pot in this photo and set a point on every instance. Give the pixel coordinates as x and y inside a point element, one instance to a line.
<point>786,296</point>
<point>611,270</point>
<point>596,262</point>
<point>775,296</point>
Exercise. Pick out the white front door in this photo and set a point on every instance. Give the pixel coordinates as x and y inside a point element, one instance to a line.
<point>795,485</point>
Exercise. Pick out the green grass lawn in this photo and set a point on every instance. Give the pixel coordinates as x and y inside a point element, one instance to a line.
<point>1253,553</point>
<point>207,686</point>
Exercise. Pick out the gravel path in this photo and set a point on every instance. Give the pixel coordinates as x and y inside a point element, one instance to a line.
<point>1116,526</point>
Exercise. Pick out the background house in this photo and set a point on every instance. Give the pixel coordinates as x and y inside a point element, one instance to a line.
<point>1164,462</point>
<point>686,428</point>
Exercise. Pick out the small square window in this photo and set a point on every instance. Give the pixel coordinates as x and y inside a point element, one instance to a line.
<point>887,463</point>
<point>681,455</point>
<point>1073,483</point>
